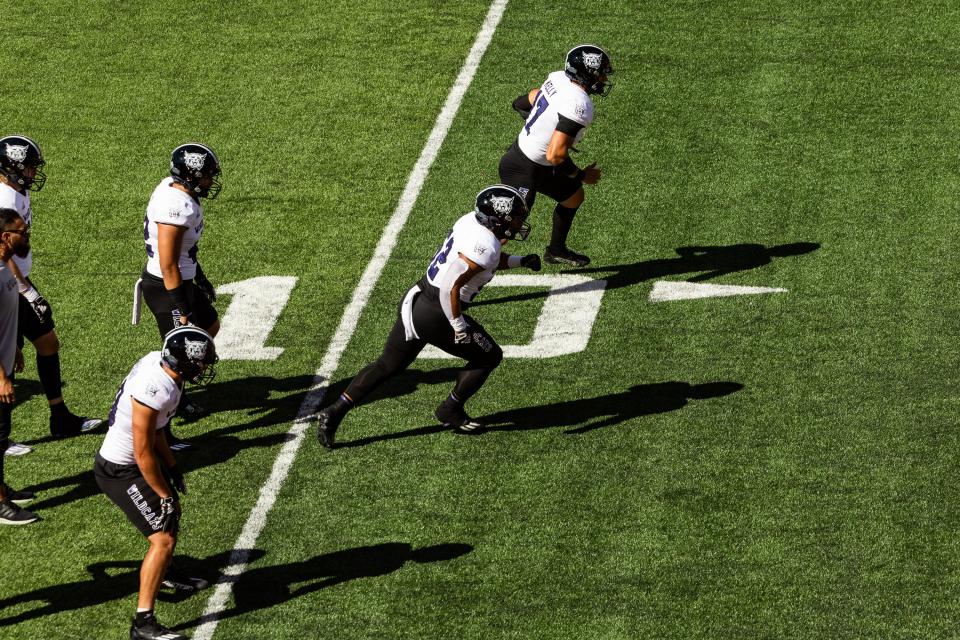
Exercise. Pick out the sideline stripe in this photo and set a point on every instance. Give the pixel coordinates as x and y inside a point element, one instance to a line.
<point>348,324</point>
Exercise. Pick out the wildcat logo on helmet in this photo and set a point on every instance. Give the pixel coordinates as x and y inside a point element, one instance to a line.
<point>194,160</point>
<point>17,152</point>
<point>502,204</point>
<point>196,349</point>
<point>592,61</point>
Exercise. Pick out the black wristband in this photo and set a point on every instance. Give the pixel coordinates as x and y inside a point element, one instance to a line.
<point>567,167</point>
<point>181,301</point>
<point>580,175</point>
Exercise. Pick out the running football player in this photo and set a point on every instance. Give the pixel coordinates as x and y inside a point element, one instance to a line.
<point>432,311</point>
<point>557,115</point>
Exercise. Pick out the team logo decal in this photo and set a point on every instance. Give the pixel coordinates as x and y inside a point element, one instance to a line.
<point>502,204</point>
<point>196,349</point>
<point>581,111</point>
<point>194,160</point>
<point>480,250</point>
<point>17,152</point>
<point>592,61</point>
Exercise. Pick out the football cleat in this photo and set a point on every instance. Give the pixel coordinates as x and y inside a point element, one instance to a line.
<point>178,581</point>
<point>565,256</point>
<point>188,410</point>
<point>327,422</point>
<point>153,630</point>
<point>18,497</point>
<point>17,449</point>
<point>11,513</point>
<point>176,444</point>
<point>457,418</point>
<point>72,425</point>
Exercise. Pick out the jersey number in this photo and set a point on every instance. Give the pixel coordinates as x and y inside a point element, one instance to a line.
<point>440,258</point>
<point>146,236</point>
<point>112,416</point>
<point>541,106</point>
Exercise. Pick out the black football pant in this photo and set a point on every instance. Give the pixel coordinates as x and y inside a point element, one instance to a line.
<point>482,353</point>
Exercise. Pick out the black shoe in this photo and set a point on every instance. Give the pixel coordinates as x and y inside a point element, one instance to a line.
<point>565,256</point>
<point>327,422</point>
<point>15,515</point>
<point>176,444</point>
<point>188,410</point>
<point>18,497</point>
<point>179,581</point>
<point>456,417</point>
<point>153,630</point>
<point>70,425</point>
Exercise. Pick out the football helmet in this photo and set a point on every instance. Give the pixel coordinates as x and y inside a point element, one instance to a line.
<point>190,164</point>
<point>589,65</point>
<point>190,352</point>
<point>19,154</point>
<point>504,211</point>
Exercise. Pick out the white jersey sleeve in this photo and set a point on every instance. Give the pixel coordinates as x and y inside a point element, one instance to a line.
<point>557,96</point>
<point>474,241</point>
<point>150,385</point>
<point>169,205</point>
<point>10,198</point>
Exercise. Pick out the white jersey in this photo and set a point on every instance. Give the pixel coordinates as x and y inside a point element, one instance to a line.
<point>10,198</point>
<point>169,205</point>
<point>150,385</point>
<point>474,241</point>
<point>557,96</point>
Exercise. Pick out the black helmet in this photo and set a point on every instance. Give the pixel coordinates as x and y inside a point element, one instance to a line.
<point>192,162</point>
<point>498,208</point>
<point>589,65</point>
<point>190,352</point>
<point>17,154</point>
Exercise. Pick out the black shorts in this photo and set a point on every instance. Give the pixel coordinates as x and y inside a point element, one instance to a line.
<point>128,489</point>
<point>528,177</point>
<point>158,299</point>
<point>432,326</point>
<point>30,324</point>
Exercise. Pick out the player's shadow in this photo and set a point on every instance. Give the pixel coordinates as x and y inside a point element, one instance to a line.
<point>708,262</point>
<point>26,388</point>
<point>263,587</point>
<point>112,580</point>
<point>210,449</point>
<point>584,414</point>
<point>589,414</point>
<point>254,396</point>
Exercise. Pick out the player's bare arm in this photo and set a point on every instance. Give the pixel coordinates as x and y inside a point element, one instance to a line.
<point>144,447</point>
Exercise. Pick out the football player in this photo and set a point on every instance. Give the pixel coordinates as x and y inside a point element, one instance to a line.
<point>135,466</point>
<point>14,239</point>
<point>173,284</point>
<point>21,171</point>
<point>557,115</point>
<point>432,311</point>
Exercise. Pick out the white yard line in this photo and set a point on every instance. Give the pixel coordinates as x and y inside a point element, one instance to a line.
<point>348,324</point>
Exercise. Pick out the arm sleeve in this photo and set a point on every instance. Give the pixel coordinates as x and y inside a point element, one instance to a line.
<point>568,126</point>
<point>176,214</point>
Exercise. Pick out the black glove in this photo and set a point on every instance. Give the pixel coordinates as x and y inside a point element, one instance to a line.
<point>175,476</point>
<point>169,518</point>
<point>531,261</point>
<point>38,303</point>
<point>203,286</point>
<point>461,337</point>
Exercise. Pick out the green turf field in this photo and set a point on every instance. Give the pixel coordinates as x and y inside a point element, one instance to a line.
<point>768,466</point>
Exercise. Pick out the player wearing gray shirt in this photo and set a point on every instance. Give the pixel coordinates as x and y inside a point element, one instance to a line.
<point>14,240</point>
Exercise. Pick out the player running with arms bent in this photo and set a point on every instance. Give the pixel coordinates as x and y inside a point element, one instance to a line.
<point>432,311</point>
